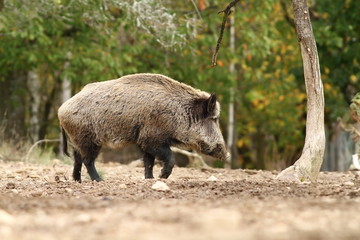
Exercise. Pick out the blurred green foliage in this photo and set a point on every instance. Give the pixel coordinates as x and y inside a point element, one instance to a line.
<point>95,40</point>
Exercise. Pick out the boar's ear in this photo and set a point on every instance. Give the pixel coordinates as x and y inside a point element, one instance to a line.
<point>211,104</point>
<point>203,107</point>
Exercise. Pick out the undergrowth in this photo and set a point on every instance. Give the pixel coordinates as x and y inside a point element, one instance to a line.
<point>21,149</point>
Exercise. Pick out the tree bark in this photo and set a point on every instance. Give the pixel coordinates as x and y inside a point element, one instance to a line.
<point>65,90</point>
<point>66,83</point>
<point>13,106</point>
<point>65,93</point>
<point>307,167</point>
<point>231,122</point>
<point>34,87</point>
<point>46,111</point>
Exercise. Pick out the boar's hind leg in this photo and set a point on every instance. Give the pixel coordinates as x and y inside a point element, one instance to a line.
<point>149,164</point>
<point>164,154</point>
<point>91,151</point>
<point>77,166</point>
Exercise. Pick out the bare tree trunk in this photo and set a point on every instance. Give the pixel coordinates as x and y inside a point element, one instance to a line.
<point>13,106</point>
<point>47,106</point>
<point>339,149</point>
<point>307,167</point>
<point>65,90</point>
<point>33,82</point>
<point>231,123</point>
<point>65,94</point>
<point>65,83</point>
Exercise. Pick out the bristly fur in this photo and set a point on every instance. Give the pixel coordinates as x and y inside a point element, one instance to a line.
<point>151,110</point>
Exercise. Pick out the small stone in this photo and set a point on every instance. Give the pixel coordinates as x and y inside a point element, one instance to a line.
<point>349,183</point>
<point>122,186</point>
<point>160,186</point>
<point>57,179</point>
<point>212,178</point>
<point>36,194</point>
<point>14,191</point>
<point>10,185</point>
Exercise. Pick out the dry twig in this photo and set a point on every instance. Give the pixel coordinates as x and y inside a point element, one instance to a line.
<point>227,11</point>
<point>37,143</point>
<point>195,159</point>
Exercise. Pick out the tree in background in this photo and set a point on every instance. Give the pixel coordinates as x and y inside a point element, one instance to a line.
<point>46,43</point>
<point>307,167</point>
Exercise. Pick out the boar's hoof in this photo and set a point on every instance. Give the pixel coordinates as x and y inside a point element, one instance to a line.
<point>98,179</point>
<point>165,174</point>
<point>149,176</point>
<point>77,180</point>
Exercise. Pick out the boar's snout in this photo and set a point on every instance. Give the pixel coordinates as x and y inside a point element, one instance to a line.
<point>220,152</point>
<point>225,157</point>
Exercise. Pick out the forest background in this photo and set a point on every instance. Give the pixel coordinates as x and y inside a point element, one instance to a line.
<point>50,49</point>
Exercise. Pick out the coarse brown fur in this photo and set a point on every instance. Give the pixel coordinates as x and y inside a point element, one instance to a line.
<point>150,110</point>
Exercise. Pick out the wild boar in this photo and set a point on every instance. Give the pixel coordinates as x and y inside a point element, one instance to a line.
<point>150,110</point>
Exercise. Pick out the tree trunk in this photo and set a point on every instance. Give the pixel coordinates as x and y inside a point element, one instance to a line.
<point>231,123</point>
<point>258,147</point>
<point>13,107</point>
<point>34,87</point>
<point>339,149</point>
<point>65,94</point>
<point>65,90</point>
<point>307,167</point>
<point>47,107</point>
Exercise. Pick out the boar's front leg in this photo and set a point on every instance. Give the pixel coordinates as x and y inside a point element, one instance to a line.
<point>149,165</point>
<point>164,154</point>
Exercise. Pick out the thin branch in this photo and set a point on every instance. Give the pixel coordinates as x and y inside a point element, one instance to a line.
<point>197,9</point>
<point>287,15</point>
<point>227,12</point>
<point>37,143</point>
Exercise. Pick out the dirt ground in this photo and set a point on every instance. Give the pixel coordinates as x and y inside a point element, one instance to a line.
<point>42,202</point>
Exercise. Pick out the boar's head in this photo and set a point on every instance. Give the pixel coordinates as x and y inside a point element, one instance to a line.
<point>204,133</point>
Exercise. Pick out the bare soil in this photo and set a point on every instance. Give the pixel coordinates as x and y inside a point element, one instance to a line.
<point>42,202</point>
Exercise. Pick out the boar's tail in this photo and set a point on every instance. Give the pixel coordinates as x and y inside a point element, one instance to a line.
<point>64,142</point>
